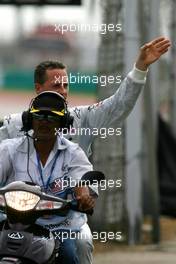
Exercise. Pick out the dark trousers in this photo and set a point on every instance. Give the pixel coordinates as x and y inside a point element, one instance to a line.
<point>67,249</point>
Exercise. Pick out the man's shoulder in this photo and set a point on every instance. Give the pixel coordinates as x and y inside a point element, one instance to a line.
<point>13,119</point>
<point>78,111</point>
<point>12,143</point>
<point>70,146</point>
<point>11,127</point>
<point>73,148</point>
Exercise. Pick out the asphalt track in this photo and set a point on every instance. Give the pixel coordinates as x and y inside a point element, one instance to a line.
<point>135,258</point>
<point>165,253</point>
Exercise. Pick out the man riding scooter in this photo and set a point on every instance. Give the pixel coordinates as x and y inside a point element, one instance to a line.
<point>45,158</point>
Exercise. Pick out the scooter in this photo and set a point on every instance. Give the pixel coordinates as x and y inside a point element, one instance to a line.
<point>22,241</point>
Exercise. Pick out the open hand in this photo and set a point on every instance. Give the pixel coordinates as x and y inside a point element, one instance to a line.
<point>151,52</point>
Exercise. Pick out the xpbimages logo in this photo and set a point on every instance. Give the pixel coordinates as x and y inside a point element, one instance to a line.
<point>79,78</point>
<point>101,28</point>
<point>102,132</point>
<point>101,236</point>
<point>102,185</point>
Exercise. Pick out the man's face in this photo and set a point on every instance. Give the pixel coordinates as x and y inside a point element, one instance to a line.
<point>56,81</point>
<point>45,128</point>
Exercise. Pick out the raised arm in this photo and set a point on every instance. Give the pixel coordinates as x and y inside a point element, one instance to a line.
<point>117,107</point>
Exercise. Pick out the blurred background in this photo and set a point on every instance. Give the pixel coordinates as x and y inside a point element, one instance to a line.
<point>144,156</point>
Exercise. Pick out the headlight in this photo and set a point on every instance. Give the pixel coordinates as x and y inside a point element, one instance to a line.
<point>2,201</point>
<point>21,200</point>
<point>47,205</point>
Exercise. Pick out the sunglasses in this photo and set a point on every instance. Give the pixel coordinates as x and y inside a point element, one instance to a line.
<point>47,117</point>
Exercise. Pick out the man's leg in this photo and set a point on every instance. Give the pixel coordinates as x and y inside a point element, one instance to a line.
<point>85,245</point>
<point>67,249</point>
